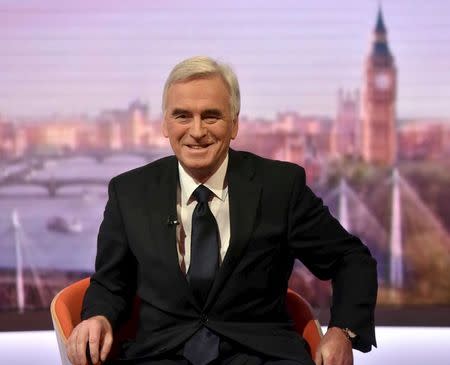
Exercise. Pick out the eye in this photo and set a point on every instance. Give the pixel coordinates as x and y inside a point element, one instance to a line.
<point>181,117</point>
<point>209,119</point>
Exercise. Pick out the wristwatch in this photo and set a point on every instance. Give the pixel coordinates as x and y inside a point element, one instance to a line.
<point>351,336</point>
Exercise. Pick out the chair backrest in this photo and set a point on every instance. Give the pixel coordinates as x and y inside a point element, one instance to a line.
<point>305,322</point>
<point>66,314</point>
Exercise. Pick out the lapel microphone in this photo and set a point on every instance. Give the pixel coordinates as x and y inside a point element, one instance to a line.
<point>172,221</point>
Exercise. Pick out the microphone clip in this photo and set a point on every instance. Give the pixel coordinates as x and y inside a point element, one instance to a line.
<point>172,221</point>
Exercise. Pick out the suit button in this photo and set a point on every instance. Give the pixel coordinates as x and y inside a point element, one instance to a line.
<point>204,318</point>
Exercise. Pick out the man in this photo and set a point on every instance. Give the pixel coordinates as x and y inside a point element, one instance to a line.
<point>207,239</point>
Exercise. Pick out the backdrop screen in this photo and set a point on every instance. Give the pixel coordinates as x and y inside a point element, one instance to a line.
<point>355,93</point>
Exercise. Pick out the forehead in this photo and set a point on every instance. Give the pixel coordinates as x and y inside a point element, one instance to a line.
<point>204,92</point>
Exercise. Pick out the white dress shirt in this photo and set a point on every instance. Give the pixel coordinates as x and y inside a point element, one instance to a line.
<point>186,204</point>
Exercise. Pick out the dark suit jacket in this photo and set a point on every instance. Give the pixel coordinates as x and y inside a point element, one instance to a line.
<point>274,218</point>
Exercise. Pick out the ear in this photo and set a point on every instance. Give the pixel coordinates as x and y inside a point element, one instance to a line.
<point>235,128</point>
<point>164,128</point>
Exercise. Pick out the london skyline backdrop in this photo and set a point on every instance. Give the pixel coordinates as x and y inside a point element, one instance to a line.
<point>83,57</point>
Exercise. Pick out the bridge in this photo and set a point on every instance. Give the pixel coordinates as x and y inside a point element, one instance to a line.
<point>52,185</point>
<point>22,176</point>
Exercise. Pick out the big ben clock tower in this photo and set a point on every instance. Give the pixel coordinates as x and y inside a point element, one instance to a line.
<point>379,141</point>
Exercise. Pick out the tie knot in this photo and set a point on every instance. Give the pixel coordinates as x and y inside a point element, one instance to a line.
<point>202,194</point>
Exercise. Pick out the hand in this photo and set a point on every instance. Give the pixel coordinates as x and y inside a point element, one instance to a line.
<point>95,330</point>
<point>334,349</point>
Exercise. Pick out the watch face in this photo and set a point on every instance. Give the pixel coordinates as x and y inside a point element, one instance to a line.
<point>382,81</point>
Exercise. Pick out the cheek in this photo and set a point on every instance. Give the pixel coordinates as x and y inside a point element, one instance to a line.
<point>221,133</point>
<point>176,133</point>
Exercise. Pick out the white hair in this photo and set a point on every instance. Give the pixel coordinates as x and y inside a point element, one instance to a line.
<point>202,67</point>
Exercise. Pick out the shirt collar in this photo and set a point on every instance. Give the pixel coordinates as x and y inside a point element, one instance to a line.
<point>216,183</point>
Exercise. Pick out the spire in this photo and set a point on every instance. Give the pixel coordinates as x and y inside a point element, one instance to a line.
<point>380,27</point>
<point>380,44</point>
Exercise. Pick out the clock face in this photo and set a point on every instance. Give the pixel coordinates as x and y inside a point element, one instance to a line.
<point>382,81</point>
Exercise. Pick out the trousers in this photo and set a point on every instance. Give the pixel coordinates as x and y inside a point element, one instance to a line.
<point>229,354</point>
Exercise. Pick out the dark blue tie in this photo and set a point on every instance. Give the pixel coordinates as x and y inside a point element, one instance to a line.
<point>203,346</point>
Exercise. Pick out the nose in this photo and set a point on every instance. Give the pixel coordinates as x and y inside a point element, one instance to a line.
<point>197,129</point>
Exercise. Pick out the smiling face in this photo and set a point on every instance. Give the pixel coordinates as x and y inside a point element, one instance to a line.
<point>199,124</point>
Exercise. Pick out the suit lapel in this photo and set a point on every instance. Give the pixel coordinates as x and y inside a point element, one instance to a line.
<point>244,194</point>
<point>162,201</point>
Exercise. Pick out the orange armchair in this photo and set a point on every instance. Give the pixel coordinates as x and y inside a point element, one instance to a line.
<point>66,314</point>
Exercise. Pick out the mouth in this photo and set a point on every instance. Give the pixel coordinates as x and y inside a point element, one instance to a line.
<point>198,146</point>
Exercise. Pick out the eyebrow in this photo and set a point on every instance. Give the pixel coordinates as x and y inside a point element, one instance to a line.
<point>178,111</point>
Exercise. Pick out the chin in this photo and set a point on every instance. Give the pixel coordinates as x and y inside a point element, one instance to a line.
<point>197,166</point>
<point>194,163</point>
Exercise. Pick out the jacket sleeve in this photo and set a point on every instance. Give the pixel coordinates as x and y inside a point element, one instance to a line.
<point>113,284</point>
<point>318,240</point>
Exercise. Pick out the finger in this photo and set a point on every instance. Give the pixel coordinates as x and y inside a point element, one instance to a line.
<point>318,358</point>
<point>80,345</point>
<point>350,358</point>
<point>94,341</point>
<point>71,345</point>
<point>106,347</point>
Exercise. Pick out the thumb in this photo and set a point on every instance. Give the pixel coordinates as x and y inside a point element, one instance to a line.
<point>106,346</point>
<point>318,358</point>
